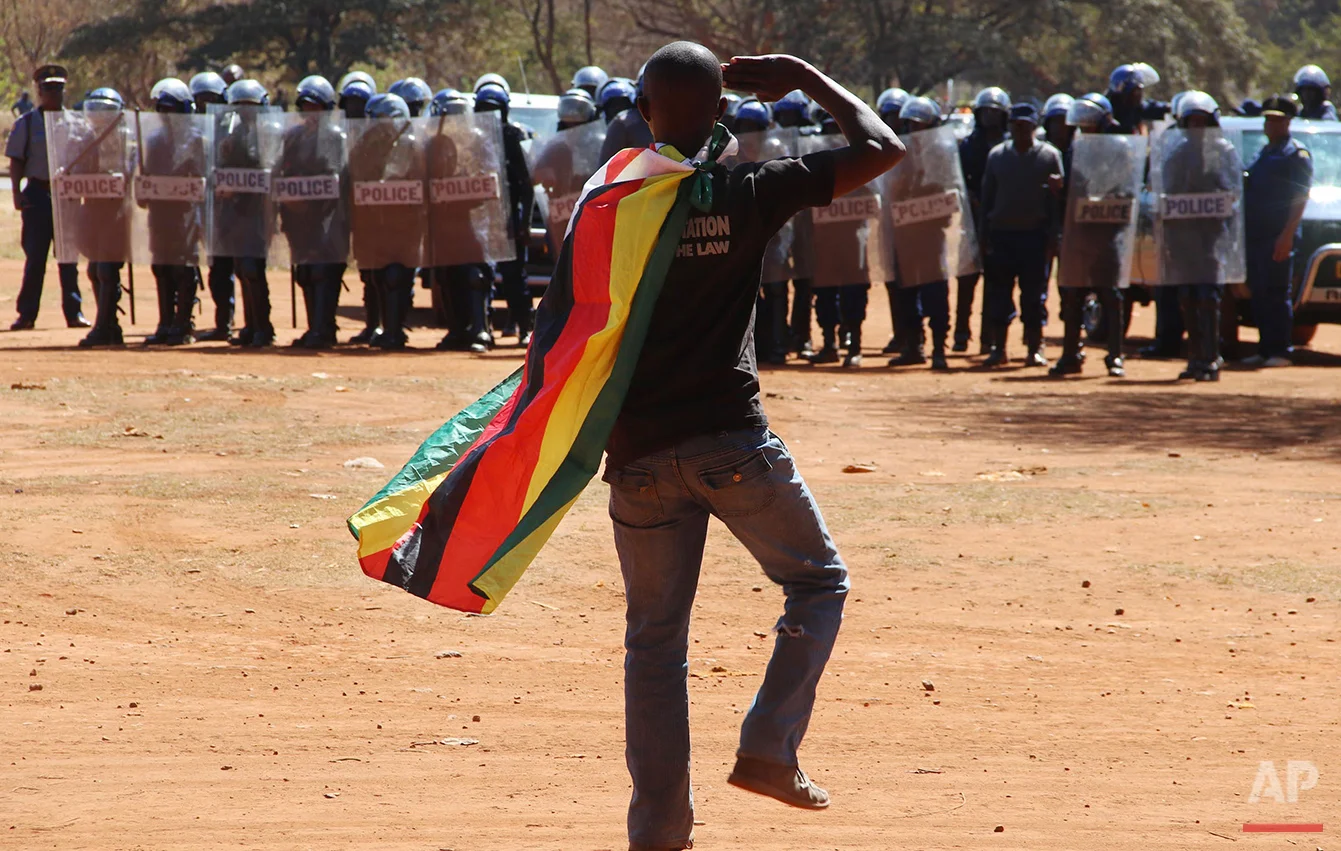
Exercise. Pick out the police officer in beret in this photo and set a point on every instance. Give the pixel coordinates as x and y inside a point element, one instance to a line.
<point>27,152</point>
<point>1275,194</point>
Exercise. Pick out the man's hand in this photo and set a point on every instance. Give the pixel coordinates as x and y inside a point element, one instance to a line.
<point>1284,245</point>
<point>1056,183</point>
<point>770,77</point>
<point>18,198</point>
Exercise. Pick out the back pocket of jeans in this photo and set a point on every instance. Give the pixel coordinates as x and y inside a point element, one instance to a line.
<point>743,487</point>
<point>633,496</point>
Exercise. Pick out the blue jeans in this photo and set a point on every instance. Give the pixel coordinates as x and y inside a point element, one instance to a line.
<point>660,505</point>
<point>39,229</point>
<point>1273,308</point>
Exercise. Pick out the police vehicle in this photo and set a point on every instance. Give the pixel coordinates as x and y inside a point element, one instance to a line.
<point>1317,265</point>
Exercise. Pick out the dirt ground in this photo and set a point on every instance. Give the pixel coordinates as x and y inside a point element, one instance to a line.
<point>1125,594</point>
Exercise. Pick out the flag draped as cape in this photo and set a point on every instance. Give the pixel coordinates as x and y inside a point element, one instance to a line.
<point>465,517</point>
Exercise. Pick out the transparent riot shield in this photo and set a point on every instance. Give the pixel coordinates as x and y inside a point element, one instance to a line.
<point>92,158</point>
<point>467,190</point>
<point>563,165</point>
<point>388,175</point>
<point>782,262</point>
<point>851,243</point>
<point>1197,179</point>
<point>241,211</point>
<point>927,211</point>
<point>170,189</point>
<point>1099,232</point>
<point>307,187</point>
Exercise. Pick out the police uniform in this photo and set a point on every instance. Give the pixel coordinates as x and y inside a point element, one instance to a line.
<point>973,151</point>
<point>521,197</point>
<point>1276,181</point>
<point>28,144</point>
<point>1325,111</point>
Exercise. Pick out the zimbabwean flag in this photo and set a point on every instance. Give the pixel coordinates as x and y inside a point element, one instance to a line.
<point>468,513</point>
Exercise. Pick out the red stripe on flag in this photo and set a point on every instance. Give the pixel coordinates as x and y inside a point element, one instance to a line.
<point>492,509</point>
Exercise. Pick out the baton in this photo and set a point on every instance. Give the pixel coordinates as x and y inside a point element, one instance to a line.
<point>293,293</point>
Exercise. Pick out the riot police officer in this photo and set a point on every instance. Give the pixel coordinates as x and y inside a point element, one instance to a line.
<point>415,92</point>
<point>1126,94</point>
<point>240,148</point>
<point>589,78</point>
<point>317,229</point>
<point>1096,239</point>
<point>356,89</point>
<point>104,230</point>
<point>1057,131</point>
<point>887,106</point>
<point>359,76</point>
<point>30,180</point>
<point>231,74</point>
<point>207,88</point>
<point>1314,90</point>
<point>521,195</point>
<point>1195,250</point>
<point>1275,194</point>
<point>991,108</point>
<point>575,108</point>
<point>793,110</point>
<point>627,130</point>
<point>174,227</point>
<point>616,97</point>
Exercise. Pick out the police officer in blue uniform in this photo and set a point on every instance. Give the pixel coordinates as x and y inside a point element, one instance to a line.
<point>991,108</point>
<point>521,196</point>
<point>590,78</point>
<point>208,87</point>
<point>415,92</point>
<point>27,152</point>
<point>616,97</point>
<point>889,106</point>
<point>793,110</point>
<point>1126,93</point>
<point>1313,88</point>
<point>1275,194</point>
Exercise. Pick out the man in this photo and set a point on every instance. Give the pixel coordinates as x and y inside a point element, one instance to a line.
<point>27,152</point>
<point>174,148</point>
<point>1313,88</point>
<point>1275,195</point>
<point>317,229</point>
<point>209,88</point>
<point>615,98</point>
<point>590,78</point>
<point>628,129</point>
<point>1104,169</point>
<point>692,442</point>
<point>1198,173</point>
<point>231,74</point>
<point>1126,93</point>
<point>243,219</point>
<point>1020,219</point>
<point>990,110</point>
<point>793,110</point>
<point>415,92</point>
<point>521,197</point>
<point>888,106</point>
<point>356,88</point>
<point>23,105</point>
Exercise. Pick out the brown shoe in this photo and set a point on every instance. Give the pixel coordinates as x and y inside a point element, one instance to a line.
<point>785,783</point>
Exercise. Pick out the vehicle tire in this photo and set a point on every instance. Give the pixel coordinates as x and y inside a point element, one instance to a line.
<point>1302,335</point>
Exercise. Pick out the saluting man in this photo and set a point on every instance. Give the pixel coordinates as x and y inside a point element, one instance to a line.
<point>27,152</point>
<point>1275,195</point>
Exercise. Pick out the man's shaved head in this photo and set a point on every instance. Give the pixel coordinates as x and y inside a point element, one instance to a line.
<point>682,95</point>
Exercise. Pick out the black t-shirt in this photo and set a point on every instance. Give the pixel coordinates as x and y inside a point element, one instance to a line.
<point>697,374</point>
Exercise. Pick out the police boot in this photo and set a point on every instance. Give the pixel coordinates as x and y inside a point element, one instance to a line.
<point>182,332</point>
<point>1188,306</point>
<point>802,308</point>
<point>938,361</point>
<point>456,290</point>
<point>396,296</point>
<point>995,337</point>
<point>1070,361</point>
<point>106,329</point>
<point>1033,338</point>
<point>244,335</point>
<point>308,288</point>
<point>328,305</point>
<point>986,337</point>
<point>828,353</point>
<point>911,354</point>
<point>372,311</point>
<point>895,343</point>
<point>853,358</point>
<point>223,312</point>
<point>525,327</point>
<point>1117,333</point>
<point>1208,320</point>
<point>776,318</point>
<point>260,309</point>
<point>167,296</point>
<point>481,338</point>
